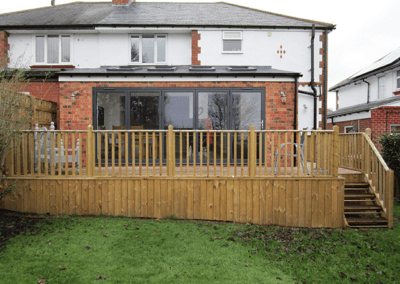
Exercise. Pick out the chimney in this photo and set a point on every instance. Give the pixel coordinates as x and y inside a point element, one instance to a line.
<point>53,2</point>
<point>122,2</point>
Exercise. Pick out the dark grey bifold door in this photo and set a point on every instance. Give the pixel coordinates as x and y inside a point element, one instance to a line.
<point>246,111</point>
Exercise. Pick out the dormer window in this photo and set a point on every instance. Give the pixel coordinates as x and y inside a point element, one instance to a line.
<point>398,79</point>
<point>148,49</point>
<point>232,42</point>
<point>53,49</point>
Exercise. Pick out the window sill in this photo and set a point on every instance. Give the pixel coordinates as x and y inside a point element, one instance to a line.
<point>59,66</point>
<point>146,64</point>
<point>232,52</point>
<point>396,93</point>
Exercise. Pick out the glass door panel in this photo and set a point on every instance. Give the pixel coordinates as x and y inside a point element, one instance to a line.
<point>213,114</point>
<point>144,115</point>
<point>246,111</point>
<point>178,112</point>
<point>110,116</point>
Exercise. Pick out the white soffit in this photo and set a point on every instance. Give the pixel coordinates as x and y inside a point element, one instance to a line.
<point>72,78</point>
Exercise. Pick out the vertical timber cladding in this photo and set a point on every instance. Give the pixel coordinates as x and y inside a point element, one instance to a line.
<point>297,202</point>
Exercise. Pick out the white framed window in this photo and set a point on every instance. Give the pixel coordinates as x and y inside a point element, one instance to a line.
<point>148,49</point>
<point>398,79</point>
<point>395,128</point>
<point>381,87</point>
<point>350,129</point>
<point>53,49</point>
<point>232,41</point>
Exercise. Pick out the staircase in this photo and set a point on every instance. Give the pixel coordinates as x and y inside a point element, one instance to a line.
<point>361,210</point>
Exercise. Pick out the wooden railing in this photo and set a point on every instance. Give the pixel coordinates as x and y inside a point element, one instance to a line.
<point>358,152</point>
<point>169,153</point>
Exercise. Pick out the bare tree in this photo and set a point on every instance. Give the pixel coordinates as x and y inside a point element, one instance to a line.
<point>15,115</point>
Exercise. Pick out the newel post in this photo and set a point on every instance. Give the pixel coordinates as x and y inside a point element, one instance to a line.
<point>367,159</point>
<point>335,151</point>
<point>89,151</point>
<point>170,152</point>
<point>252,159</point>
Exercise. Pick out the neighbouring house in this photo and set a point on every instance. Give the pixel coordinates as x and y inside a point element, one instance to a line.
<point>370,98</point>
<point>132,65</point>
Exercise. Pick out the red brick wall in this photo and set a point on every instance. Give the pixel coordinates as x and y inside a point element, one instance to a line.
<point>362,124</point>
<point>382,118</point>
<point>196,50</point>
<point>77,113</point>
<point>4,48</point>
<point>48,90</point>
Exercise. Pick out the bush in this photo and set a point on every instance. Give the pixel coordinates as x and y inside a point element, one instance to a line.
<point>390,152</point>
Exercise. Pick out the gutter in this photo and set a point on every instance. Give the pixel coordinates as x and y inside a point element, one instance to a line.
<point>94,26</point>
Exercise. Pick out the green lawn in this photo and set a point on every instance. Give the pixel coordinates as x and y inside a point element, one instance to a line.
<point>149,251</point>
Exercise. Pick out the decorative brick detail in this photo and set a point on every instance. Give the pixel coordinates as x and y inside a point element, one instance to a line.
<point>323,65</point>
<point>77,113</point>
<point>337,99</point>
<point>4,48</point>
<point>196,50</point>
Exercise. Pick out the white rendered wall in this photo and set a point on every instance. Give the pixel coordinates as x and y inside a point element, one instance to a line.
<point>86,51</point>
<point>261,48</point>
<point>95,50</point>
<point>21,51</point>
<point>354,94</point>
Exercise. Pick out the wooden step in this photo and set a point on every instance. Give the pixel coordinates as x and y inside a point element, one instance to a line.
<point>365,220</point>
<point>361,200</point>
<point>368,227</point>
<point>359,195</point>
<point>362,207</point>
<point>355,189</point>
<point>356,185</point>
<point>363,213</point>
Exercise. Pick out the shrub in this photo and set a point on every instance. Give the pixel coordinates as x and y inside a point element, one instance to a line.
<point>390,152</point>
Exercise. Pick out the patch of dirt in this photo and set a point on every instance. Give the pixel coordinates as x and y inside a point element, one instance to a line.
<point>13,223</point>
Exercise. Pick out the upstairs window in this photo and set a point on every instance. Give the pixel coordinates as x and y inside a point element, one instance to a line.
<point>398,79</point>
<point>232,42</point>
<point>147,49</point>
<point>53,49</point>
<point>381,87</point>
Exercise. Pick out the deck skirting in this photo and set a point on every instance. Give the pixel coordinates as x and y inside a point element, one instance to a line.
<point>293,202</point>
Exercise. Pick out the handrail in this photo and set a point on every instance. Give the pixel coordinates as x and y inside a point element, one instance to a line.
<point>358,152</point>
<point>168,153</point>
<point>372,145</point>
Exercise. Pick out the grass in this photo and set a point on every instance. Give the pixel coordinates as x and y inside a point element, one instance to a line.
<point>130,250</point>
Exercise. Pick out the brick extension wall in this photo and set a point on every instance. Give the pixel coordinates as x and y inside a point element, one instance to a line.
<point>77,113</point>
<point>45,90</point>
<point>323,66</point>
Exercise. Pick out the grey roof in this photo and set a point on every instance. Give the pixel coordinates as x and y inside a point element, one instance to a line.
<point>183,70</point>
<point>90,15</point>
<point>362,107</point>
<point>389,61</point>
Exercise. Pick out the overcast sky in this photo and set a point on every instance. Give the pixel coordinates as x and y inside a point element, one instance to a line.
<point>365,30</point>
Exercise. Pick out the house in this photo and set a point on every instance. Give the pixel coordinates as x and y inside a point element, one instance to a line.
<point>370,98</point>
<point>127,64</point>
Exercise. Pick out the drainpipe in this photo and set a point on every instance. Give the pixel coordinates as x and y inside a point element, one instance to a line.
<point>368,90</point>
<point>312,78</point>
<point>295,104</point>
